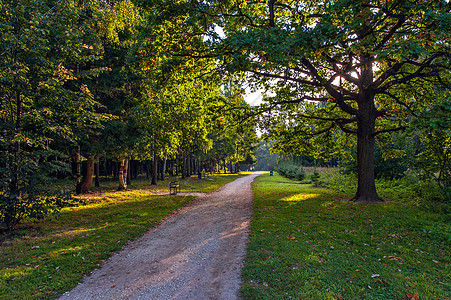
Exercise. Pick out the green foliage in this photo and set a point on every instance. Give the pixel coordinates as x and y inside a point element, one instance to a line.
<point>290,170</point>
<point>307,243</point>
<point>315,177</point>
<point>32,199</point>
<point>411,187</point>
<point>265,159</point>
<point>333,69</point>
<point>43,105</point>
<point>434,126</point>
<point>389,163</point>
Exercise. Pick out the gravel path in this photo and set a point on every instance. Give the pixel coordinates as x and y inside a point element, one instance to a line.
<point>196,254</point>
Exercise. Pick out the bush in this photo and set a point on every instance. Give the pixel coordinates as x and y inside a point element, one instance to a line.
<point>289,170</point>
<point>30,197</point>
<point>412,188</point>
<point>315,177</point>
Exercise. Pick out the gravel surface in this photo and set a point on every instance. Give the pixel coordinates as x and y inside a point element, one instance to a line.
<point>197,253</point>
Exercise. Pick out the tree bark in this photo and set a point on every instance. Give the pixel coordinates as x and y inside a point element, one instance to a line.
<point>184,165</point>
<point>85,184</point>
<point>366,120</point>
<point>189,165</point>
<point>366,186</point>
<point>163,169</point>
<point>14,183</point>
<point>154,170</point>
<point>123,175</point>
<point>78,166</point>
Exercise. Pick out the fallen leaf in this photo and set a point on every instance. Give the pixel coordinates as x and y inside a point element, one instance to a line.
<point>413,297</point>
<point>290,237</point>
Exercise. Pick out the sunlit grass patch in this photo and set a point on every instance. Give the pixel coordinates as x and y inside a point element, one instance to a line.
<point>300,197</point>
<point>320,247</point>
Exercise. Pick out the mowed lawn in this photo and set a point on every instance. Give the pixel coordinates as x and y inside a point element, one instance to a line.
<point>309,243</point>
<point>42,260</point>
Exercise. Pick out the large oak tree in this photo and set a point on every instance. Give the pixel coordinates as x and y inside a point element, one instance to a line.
<point>368,66</point>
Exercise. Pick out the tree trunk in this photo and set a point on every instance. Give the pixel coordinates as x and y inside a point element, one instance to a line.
<point>14,183</point>
<point>163,169</point>
<point>78,166</point>
<point>154,170</point>
<point>184,165</point>
<point>366,186</point>
<point>366,119</point>
<point>85,184</point>
<point>123,175</point>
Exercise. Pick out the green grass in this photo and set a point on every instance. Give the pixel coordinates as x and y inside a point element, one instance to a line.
<point>42,260</point>
<point>307,243</point>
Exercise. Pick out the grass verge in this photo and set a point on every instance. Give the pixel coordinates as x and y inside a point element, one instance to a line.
<point>46,258</point>
<point>307,243</point>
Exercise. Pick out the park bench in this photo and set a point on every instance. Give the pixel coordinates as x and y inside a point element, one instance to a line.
<point>174,186</point>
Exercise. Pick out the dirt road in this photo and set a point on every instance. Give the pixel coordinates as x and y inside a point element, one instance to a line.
<point>196,254</point>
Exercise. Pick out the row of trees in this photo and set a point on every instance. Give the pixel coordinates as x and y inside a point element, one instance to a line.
<point>85,82</point>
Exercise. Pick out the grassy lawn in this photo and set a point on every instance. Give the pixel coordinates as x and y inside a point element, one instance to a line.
<point>307,243</point>
<point>44,259</point>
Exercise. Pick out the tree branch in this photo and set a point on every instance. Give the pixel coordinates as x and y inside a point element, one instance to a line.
<point>389,130</point>
<point>397,100</point>
<point>311,83</point>
<point>401,20</point>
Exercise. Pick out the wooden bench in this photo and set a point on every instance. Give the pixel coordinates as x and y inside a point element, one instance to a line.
<point>174,186</point>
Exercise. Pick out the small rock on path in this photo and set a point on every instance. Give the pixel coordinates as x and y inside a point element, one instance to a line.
<point>196,254</point>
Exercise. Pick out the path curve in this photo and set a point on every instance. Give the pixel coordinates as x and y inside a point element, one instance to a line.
<point>196,254</point>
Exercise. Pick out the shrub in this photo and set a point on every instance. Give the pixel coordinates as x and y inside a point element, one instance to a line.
<point>315,177</point>
<point>30,197</point>
<point>290,170</point>
<point>300,173</point>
